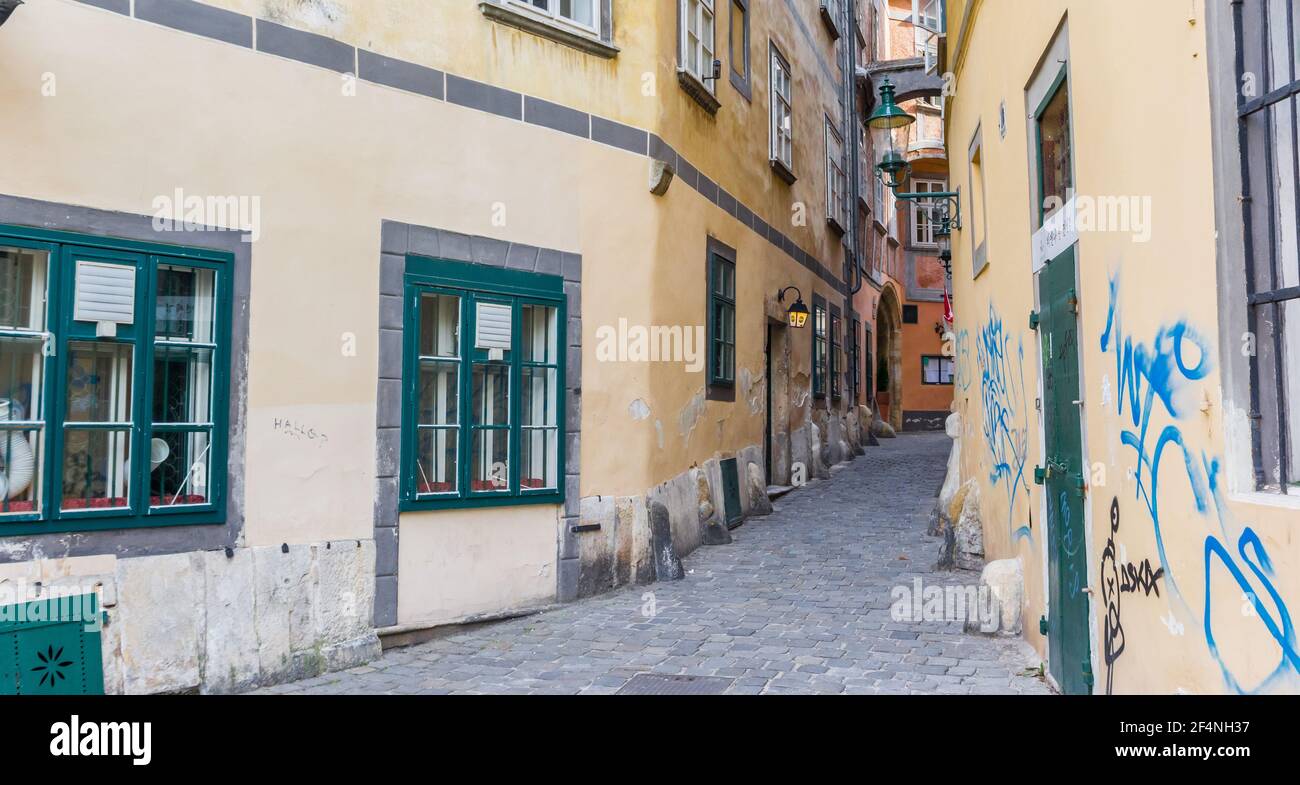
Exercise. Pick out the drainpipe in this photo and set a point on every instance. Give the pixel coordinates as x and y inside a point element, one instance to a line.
<point>855,154</point>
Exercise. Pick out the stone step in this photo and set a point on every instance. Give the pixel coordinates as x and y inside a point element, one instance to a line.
<point>775,492</point>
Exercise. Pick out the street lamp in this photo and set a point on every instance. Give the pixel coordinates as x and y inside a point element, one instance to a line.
<point>798,313</point>
<point>893,167</point>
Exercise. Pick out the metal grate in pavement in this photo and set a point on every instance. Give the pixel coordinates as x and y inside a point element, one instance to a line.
<point>659,684</point>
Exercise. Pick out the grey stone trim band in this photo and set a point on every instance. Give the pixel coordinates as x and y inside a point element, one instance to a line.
<point>318,50</point>
<point>396,241</point>
<point>157,540</point>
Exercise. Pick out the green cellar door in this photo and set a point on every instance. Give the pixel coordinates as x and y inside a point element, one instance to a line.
<point>51,647</point>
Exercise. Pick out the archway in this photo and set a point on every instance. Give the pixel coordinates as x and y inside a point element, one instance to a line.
<point>889,354</point>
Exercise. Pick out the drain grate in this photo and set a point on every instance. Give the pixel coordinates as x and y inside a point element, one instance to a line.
<point>659,684</point>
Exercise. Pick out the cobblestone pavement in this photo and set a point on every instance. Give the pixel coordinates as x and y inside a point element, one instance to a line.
<point>799,603</point>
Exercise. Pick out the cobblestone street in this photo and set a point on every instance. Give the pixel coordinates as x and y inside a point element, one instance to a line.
<point>799,603</point>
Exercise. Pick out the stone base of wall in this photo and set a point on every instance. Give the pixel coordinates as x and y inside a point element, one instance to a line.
<point>614,544</point>
<point>216,623</point>
<point>924,421</point>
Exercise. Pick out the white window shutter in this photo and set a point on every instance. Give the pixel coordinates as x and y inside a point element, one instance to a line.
<point>105,293</point>
<point>493,326</point>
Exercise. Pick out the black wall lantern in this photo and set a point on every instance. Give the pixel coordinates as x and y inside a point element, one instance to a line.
<point>713,77</point>
<point>798,313</point>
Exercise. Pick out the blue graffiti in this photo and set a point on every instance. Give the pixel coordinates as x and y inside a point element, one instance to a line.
<point>1143,375</point>
<point>1281,629</point>
<point>1072,545</point>
<point>961,349</point>
<point>1006,429</point>
<point>1162,372</point>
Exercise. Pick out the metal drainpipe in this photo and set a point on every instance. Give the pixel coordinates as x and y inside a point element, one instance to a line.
<point>855,154</point>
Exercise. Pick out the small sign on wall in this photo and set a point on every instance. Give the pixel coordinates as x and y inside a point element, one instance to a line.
<point>1057,234</point>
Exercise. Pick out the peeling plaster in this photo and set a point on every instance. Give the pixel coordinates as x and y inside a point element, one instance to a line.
<point>638,410</point>
<point>691,414</point>
<point>316,15</point>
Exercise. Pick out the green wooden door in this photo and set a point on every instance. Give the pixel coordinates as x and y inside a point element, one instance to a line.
<point>1064,478</point>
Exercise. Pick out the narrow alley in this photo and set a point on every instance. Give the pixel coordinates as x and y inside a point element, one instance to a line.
<point>798,603</point>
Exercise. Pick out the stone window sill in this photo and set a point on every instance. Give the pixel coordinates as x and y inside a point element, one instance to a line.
<point>783,172</point>
<point>696,89</point>
<point>516,16</point>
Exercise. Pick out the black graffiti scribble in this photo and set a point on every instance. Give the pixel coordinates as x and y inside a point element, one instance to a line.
<point>1113,633</point>
<point>1141,577</point>
<point>1116,581</point>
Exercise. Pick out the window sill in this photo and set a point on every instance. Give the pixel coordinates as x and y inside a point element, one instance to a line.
<point>532,23</point>
<point>696,89</point>
<point>782,171</point>
<point>721,392</point>
<point>831,26</point>
<point>835,225</point>
<point>424,505</point>
<point>31,525</point>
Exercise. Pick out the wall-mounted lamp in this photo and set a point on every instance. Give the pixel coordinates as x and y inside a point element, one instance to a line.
<point>717,72</point>
<point>798,313</point>
<point>6,8</point>
<point>893,169</point>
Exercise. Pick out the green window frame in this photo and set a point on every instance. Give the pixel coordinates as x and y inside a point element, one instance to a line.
<point>944,370</point>
<point>483,392</point>
<point>722,317</point>
<point>114,424</point>
<point>837,355</point>
<point>819,359</point>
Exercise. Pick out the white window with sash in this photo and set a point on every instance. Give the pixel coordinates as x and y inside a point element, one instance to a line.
<point>581,13</point>
<point>924,223</point>
<point>697,45</point>
<point>782,132</point>
<point>836,178</point>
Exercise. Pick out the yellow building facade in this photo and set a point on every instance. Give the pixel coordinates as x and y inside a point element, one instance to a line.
<point>1108,340</point>
<point>350,173</point>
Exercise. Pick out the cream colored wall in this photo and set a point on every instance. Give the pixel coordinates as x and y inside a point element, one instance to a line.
<point>1148,73</point>
<point>456,564</point>
<point>328,169</point>
<point>169,110</point>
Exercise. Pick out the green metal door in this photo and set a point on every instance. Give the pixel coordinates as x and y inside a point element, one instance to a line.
<point>51,647</point>
<point>1063,478</point>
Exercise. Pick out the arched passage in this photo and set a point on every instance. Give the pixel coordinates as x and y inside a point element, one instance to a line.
<point>889,353</point>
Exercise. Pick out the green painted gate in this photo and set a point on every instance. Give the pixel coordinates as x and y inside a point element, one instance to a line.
<point>51,647</point>
<point>1063,477</point>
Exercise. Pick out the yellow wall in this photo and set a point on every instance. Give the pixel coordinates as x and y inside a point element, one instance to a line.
<point>160,109</point>
<point>1141,126</point>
